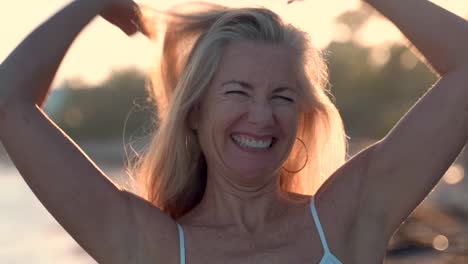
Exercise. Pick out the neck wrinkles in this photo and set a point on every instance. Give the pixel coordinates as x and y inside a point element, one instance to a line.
<point>248,209</point>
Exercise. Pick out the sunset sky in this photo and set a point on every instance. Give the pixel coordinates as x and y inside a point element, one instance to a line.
<point>101,47</point>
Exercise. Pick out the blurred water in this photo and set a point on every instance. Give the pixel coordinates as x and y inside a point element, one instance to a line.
<point>29,233</point>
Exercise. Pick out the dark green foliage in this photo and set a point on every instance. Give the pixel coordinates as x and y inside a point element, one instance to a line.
<point>100,112</point>
<point>371,98</point>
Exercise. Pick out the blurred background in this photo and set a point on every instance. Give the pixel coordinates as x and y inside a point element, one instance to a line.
<point>99,100</point>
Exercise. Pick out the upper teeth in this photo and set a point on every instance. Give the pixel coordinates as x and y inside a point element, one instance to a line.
<point>252,143</point>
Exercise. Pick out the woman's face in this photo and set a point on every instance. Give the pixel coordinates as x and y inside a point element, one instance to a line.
<point>247,121</point>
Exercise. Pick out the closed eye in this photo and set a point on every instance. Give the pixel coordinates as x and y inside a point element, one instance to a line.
<point>284,98</point>
<point>236,92</point>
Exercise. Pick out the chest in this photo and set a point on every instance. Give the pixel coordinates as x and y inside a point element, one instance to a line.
<point>291,242</point>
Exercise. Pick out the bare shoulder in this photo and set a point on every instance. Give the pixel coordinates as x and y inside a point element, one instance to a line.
<point>158,233</point>
<point>299,198</point>
<point>339,202</point>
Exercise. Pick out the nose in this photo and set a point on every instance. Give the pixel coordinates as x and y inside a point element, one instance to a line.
<point>260,112</point>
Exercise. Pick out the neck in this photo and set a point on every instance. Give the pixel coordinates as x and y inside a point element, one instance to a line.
<point>248,209</point>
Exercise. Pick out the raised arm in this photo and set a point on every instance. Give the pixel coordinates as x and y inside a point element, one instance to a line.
<point>28,71</point>
<point>407,163</point>
<point>376,190</point>
<point>439,35</point>
<point>109,223</point>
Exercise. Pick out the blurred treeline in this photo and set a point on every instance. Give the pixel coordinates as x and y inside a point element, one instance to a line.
<point>371,98</point>
<point>101,112</point>
<point>373,87</point>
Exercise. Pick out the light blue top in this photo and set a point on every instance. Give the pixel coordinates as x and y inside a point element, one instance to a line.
<point>182,244</point>
<point>328,257</point>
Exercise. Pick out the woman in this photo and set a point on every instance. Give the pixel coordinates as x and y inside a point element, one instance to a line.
<point>244,121</point>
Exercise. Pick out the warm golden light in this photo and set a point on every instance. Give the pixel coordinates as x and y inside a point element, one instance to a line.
<point>454,174</point>
<point>342,33</point>
<point>440,242</point>
<point>379,56</point>
<point>102,48</point>
<point>408,60</point>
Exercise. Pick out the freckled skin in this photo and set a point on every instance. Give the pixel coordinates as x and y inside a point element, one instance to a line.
<point>243,215</point>
<point>258,111</point>
<point>243,218</point>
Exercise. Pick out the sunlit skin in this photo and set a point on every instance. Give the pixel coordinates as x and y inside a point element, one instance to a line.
<point>254,94</point>
<point>243,217</point>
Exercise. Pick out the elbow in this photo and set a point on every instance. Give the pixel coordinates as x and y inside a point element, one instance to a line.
<point>458,65</point>
<point>442,64</point>
<point>444,69</point>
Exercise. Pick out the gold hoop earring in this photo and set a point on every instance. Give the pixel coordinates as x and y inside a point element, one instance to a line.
<point>186,147</point>
<point>307,158</point>
<point>191,146</point>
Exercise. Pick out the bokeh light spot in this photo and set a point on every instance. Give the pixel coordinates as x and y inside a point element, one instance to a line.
<point>454,174</point>
<point>73,117</point>
<point>408,60</point>
<point>440,242</point>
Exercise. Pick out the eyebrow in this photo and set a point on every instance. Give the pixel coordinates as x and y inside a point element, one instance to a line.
<point>250,87</point>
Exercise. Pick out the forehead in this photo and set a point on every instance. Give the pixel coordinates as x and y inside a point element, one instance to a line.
<point>258,62</point>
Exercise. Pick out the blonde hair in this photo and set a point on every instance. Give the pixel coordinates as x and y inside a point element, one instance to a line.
<point>170,172</point>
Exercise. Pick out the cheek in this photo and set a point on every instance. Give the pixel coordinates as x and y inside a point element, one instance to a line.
<point>215,118</point>
<point>226,110</point>
<point>288,117</point>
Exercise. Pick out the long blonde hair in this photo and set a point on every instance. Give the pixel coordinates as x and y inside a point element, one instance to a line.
<point>170,172</point>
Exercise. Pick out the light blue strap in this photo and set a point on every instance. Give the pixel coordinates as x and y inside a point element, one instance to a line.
<point>319,226</point>
<point>334,259</point>
<point>328,258</point>
<point>182,244</point>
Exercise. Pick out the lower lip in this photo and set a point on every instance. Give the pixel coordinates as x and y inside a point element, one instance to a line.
<point>252,150</point>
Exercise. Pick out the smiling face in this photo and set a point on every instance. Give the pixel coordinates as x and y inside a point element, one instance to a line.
<point>247,121</point>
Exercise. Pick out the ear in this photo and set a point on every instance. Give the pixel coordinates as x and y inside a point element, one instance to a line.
<point>194,117</point>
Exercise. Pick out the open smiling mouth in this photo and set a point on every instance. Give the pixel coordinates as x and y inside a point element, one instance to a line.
<point>247,142</point>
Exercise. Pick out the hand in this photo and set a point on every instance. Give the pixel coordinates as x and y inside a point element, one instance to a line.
<point>292,1</point>
<point>126,15</point>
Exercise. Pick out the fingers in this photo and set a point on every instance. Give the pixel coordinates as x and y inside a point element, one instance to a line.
<point>292,1</point>
<point>146,21</point>
<point>130,30</point>
<point>138,27</point>
<point>129,18</point>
